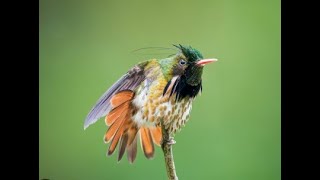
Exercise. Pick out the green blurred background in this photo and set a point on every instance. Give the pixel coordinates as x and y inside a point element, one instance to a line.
<point>234,130</point>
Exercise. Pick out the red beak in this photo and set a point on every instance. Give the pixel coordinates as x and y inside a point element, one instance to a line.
<point>206,61</point>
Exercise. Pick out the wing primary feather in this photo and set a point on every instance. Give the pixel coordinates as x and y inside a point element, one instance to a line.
<point>103,102</point>
<point>133,78</point>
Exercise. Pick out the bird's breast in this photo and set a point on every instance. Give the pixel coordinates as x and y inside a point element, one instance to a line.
<point>174,113</point>
<point>153,106</point>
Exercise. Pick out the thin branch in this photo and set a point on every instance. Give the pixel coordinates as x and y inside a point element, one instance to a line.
<point>166,146</point>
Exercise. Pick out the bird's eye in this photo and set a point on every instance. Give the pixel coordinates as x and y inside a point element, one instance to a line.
<point>182,62</point>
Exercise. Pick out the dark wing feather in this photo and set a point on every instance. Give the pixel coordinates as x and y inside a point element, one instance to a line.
<point>129,81</point>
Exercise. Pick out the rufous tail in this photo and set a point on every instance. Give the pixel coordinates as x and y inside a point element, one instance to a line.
<point>124,130</point>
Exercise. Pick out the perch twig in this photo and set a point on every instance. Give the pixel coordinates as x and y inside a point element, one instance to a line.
<point>166,146</point>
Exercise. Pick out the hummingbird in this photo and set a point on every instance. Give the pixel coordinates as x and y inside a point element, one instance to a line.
<point>152,93</point>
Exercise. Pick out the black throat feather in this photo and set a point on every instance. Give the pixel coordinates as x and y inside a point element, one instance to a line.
<point>182,89</point>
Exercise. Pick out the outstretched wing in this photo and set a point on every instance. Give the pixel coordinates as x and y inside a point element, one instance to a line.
<point>129,81</point>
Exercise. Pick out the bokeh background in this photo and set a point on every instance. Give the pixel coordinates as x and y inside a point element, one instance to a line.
<point>234,130</point>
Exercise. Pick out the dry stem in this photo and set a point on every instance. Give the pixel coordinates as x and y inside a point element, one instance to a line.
<point>166,146</point>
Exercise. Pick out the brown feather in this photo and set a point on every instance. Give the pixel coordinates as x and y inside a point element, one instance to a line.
<point>121,97</point>
<point>146,142</point>
<point>122,146</point>
<point>118,105</point>
<point>117,124</point>
<point>132,150</point>
<point>116,137</point>
<point>132,132</point>
<point>124,124</point>
<point>122,128</point>
<point>156,135</point>
<point>128,136</point>
<point>115,113</point>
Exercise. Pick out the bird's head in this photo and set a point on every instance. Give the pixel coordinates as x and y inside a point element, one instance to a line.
<point>188,64</point>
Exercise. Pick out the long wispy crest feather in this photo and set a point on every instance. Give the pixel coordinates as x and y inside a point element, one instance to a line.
<point>154,51</point>
<point>157,48</point>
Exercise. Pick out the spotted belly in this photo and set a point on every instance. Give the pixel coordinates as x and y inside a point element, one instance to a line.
<point>153,109</point>
<point>174,114</point>
<point>152,106</point>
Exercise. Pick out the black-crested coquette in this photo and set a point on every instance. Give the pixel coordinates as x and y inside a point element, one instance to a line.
<point>151,92</point>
